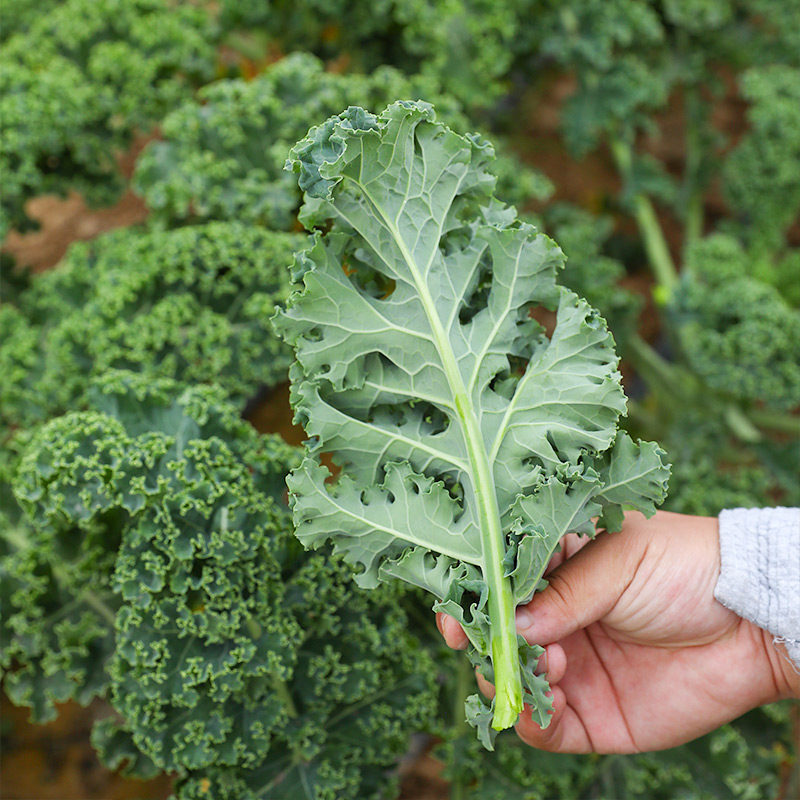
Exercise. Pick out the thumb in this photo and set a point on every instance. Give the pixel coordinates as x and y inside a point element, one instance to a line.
<point>582,590</point>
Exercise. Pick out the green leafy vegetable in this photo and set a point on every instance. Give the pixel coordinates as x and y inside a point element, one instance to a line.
<point>159,572</point>
<point>188,304</point>
<point>470,442</point>
<point>79,80</point>
<point>738,333</point>
<point>762,174</point>
<point>222,155</point>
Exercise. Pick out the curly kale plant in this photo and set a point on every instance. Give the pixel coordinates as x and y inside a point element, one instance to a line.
<point>79,80</point>
<point>160,573</point>
<point>762,174</point>
<point>737,333</point>
<point>222,155</point>
<point>189,304</point>
<point>467,45</point>
<point>470,442</point>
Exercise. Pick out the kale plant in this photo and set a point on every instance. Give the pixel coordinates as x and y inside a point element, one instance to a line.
<point>222,155</point>
<point>467,46</point>
<point>469,441</point>
<point>78,81</point>
<point>738,333</point>
<point>762,174</point>
<point>159,571</point>
<point>188,304</point>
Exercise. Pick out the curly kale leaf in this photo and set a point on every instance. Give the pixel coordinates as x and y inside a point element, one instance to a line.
<point>736,332</point>
<point>469,441</point>
<point>762,174</point>
<point>58,599</point>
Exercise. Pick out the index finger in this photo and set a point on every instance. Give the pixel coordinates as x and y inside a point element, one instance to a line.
<point>453,633</point>
<point>569,545</point>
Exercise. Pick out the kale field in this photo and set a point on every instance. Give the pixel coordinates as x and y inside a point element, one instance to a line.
<point>189,268</point>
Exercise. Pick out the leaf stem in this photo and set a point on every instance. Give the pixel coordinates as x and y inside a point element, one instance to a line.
<point>655,369</point>
<point>505,657</point>
<point>15,536</point>
<point>504,651</point>
<point>694,191</point>
<point>775,421</point>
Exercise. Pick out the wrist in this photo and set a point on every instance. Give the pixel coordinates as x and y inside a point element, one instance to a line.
<point>785,674</point>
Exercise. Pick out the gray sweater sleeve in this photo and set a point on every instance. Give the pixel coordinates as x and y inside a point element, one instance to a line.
<point>760,570</point>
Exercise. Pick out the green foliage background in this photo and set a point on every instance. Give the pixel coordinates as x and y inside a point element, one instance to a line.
<point>226,654</point>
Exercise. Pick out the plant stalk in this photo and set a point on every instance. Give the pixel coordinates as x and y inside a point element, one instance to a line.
<point>655,243</point>
<point>775,421</point>
<point>508,702</point>
<point>694,204</point>
<point>654,368</point>
<point>505,657</point>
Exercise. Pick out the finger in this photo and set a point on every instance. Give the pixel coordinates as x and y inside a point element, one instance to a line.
<point>487,689</point>
<point>553,664</point>
<point>564,734</point>
<point>453,633</point>
<point>570,544</point>
<point>583,589</point>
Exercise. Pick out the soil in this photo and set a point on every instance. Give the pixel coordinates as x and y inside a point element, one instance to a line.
<point>56,761</point>
<point>63,220</point>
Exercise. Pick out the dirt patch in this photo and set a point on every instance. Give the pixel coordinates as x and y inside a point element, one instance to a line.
<point>66,220</point>
<point>57,762</point>
<point>63,220</point>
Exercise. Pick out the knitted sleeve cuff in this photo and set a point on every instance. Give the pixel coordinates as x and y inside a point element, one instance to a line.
<point>760,570</point>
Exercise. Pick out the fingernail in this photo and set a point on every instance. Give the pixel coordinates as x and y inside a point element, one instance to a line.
<point>541,667</point>
<point>524,618</point>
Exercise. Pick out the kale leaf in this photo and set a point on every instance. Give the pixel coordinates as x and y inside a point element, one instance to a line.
<point>469,441</point>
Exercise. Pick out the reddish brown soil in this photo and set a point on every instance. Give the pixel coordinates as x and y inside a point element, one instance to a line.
<point>57,762</point>
<point>63,220</point>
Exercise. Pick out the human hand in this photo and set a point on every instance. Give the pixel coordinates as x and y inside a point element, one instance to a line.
<point>639,654</point>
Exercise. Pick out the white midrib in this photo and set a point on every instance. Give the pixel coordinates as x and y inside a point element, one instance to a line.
<point>508,701</point>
